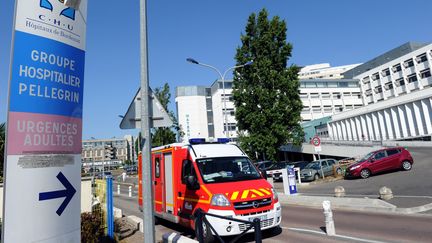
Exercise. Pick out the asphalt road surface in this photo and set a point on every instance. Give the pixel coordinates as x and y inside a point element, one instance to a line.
<point>302,224</point>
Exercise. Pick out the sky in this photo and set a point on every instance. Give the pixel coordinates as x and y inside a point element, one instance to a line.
<point>338,32</point>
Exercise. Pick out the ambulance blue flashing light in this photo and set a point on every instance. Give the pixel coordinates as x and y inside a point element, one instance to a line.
<point>203,140</point>
<point>197,140</point>
<point>223,140</point>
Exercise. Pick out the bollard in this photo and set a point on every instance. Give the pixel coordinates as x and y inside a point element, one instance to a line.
<point>385,193</point>
<point>130,191</point>
<point>339,191</point>
<point>329,223</point>
<point>118,189</point>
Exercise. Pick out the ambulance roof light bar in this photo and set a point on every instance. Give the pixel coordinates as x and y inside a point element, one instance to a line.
<point>203,140</point>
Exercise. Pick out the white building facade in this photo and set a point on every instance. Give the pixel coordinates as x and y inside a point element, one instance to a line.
<point>201,111</point>
<point>396,93</point>
<point>325,97</point>
<point>324,71</point>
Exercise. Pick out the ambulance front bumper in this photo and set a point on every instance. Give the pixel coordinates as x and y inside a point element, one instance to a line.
<point>269,219</point>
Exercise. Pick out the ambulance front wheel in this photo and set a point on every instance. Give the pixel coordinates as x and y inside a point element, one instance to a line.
<point>206,232</point>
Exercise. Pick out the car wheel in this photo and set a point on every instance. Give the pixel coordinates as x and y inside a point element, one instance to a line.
<point>338,171</point>
<point>406,165</point>
<point>316,177</point>
<point>206,232</point>
<point>365,173</point>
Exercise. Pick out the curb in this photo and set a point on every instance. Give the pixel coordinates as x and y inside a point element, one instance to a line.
<point>355,204</point>
<point>176,237</point>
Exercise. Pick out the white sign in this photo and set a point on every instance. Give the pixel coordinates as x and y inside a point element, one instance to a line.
<point>317,149</point>
<point>44,133</point>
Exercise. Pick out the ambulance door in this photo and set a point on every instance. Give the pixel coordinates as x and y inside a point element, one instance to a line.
<point>158,182</point>
<point>169,190</point>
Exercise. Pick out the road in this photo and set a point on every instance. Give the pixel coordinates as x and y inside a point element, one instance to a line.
<point>302,224</point>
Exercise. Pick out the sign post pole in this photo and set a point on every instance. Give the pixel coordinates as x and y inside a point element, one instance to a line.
<point>316,142</point>
<point>147,188</point>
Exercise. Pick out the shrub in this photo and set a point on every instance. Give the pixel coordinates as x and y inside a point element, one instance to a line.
<point>92,228</point>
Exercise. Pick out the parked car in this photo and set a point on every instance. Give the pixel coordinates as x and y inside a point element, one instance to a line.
<point>277,169</point>
<point>103,175</point>
<point>379,161</point>
<point>312,171</point>
<point>277,174</point>
<point>265,165</point>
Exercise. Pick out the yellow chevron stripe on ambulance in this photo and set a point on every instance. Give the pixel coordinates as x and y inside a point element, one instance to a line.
<point>248,194</point>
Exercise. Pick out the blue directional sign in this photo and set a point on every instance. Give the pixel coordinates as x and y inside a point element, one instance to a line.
<point>68,193</point>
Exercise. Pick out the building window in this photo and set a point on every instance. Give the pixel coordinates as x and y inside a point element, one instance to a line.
<point>366,80</point>
<point>229,111</point>
<point>421,58</point>
<point>412,78</point>
<point>408,63</point>
<point>227,97</point>
<point>314,96</point>
<point>231,127</point>
<point>368,92</point>
<point>400,82</point>
<point>396,68</point>
<point>342,84</point>
<point>385,72</point>
<point>378,89</point>
<point>425,73</point>
<point>388,86</point>
<point>375,76</point>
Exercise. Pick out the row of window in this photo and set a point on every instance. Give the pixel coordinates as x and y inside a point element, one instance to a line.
<point>397,68</point>
<point>318,84</point>
<point>330,95</point>
<point>426,73</point>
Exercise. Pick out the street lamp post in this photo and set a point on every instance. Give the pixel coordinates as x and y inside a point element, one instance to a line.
<point>222,77</point>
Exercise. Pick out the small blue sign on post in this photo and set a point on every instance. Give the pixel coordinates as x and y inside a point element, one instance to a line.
<point>292,180</point>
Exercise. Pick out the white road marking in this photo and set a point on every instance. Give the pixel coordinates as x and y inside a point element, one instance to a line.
<point>338,236</point>
<point>362,195</point>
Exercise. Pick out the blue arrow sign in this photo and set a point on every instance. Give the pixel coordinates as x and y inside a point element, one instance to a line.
<point>68,193</point>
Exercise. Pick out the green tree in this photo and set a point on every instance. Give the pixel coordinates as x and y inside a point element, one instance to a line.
<point>265,93</point>
<point>2,146</point>
<point>163,135</point>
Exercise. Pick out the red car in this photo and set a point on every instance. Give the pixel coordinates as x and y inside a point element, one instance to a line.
<point>379,161</point>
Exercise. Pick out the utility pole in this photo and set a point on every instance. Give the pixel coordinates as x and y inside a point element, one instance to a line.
<point>147,189</point>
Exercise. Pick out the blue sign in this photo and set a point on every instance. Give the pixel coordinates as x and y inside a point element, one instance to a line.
<point>47,77</point>
<point>68,193</point>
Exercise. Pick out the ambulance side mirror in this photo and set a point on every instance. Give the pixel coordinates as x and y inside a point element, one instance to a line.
<point>263,173</point>
<point>192,183</point>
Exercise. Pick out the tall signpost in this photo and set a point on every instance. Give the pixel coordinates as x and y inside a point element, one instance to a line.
<point>44,128</point>
<point>147,188</point>
<point>317,145</point>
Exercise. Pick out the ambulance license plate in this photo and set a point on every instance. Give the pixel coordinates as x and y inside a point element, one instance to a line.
<point>262,217</point>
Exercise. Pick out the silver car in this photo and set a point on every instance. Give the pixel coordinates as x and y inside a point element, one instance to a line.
<point>312,171</point>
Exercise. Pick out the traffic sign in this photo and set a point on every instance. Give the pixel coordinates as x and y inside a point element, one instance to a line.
<point>68,193</point>
<point>316,141</point>
<point>44,132</point>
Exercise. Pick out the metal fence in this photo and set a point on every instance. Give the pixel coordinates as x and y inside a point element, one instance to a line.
<point>100,193</point>
<point>200,216</point>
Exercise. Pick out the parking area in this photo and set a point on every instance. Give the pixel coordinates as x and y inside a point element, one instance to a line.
<point>411,188</point>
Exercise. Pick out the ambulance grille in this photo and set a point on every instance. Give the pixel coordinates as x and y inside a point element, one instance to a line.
<point>260,212</point>
<point>253,204</point>
<point>264,224</point>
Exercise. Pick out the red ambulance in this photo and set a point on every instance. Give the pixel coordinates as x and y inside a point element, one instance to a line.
<point>216,177</point>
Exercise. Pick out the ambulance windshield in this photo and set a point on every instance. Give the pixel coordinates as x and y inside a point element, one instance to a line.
<point>227,169</point>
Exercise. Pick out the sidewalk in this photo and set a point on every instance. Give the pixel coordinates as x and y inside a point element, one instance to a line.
<point>356,203</point>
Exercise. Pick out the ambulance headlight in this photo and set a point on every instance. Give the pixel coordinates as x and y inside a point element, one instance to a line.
<point>275,195</point>
<point>220,200</point>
